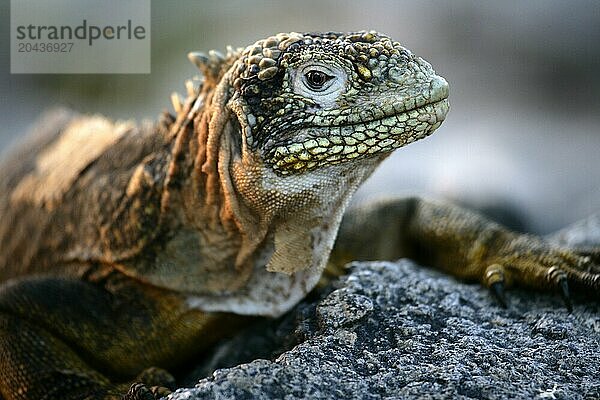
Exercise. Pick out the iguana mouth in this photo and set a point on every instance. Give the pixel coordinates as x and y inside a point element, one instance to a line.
<point>358,140</point>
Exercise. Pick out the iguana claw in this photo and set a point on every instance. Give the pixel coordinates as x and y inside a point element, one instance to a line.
<point>559,278</point>
<point>139,391</point>
<point>564,291</point>
<point>528,261</point>
<point>497,289</point>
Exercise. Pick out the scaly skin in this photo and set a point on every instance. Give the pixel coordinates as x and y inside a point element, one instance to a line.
<point>127,249</point>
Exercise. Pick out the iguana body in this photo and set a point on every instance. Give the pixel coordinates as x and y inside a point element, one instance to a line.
<point>127,247</point>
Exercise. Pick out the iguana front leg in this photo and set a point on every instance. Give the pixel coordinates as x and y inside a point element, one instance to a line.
<point>462,243</point>
<point>70,339</point>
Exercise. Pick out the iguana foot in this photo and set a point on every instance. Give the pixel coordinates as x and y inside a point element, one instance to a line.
<point>153,383</point>
<point>139,391</point>
<point>526,260</point>
<point>467,245</point>
<point>155,376</point>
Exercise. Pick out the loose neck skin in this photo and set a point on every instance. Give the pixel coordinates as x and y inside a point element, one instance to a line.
<point>257,220</point>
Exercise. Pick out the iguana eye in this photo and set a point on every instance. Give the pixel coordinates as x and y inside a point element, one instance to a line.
<point>320,82</point>
<point>316,79</point>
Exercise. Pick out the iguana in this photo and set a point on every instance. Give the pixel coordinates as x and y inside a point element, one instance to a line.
<point>125,250</point>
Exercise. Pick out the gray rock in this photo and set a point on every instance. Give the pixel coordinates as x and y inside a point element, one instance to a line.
<point>397,330</point>
<point>584,235</point>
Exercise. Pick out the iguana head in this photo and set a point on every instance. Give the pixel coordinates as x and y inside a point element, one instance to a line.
<point>310,100</point>
<point>307,119</point>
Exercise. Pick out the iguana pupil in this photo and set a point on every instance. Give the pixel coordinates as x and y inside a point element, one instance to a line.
<point>316,79</point>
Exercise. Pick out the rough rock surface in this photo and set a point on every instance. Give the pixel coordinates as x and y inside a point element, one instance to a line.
<point>397,330</point>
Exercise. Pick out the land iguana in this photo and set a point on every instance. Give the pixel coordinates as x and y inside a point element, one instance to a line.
<point>125,250</point>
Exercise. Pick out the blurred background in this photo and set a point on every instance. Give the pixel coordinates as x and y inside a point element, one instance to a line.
<point>522,139</point>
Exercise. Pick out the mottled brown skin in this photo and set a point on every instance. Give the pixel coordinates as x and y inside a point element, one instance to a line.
<point>75,327</point>
<point>125,249</point>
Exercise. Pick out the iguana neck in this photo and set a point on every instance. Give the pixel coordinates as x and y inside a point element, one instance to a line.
<point>235,206</point>
<point>238,224</point>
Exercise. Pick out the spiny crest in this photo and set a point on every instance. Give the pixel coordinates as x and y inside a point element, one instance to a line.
<point>212,67</point>
<point>214,64</point>
<point>192,87</point>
